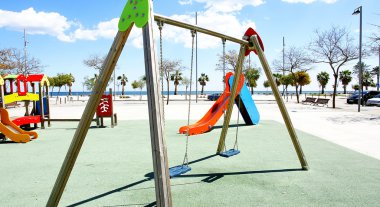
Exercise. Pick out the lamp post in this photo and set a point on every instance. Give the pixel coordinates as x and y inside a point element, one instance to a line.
<point>359,10</point>
<point>378,72</point>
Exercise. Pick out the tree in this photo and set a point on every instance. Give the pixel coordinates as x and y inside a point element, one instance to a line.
<point>345,77</point>
<point>16,61</point>
<point>90,82</point>
<point>168,67</point>
<point>277,78</point>
<point>186,82</point>
<point>323,78</point>
<point>7,58</point>
<point>287,80</point>
<point>295,60</point>
<point>123,82</point>
<point>70,79</point>
<point>302,78</point>
<point>266,84</point>
<point>141,86</point>
<point>231,59</point>
<point>367,80</point>
<point>176,77</point>
<point>203,79</point>
<point>375,71</point>
<point>355,87</point>
<point>335,48</point>
<point>365,68</point>
<point>96,62</point>
<point>51,83</point>
<point>251,76</point>
<point>138,84</point>
<point>61,80</point>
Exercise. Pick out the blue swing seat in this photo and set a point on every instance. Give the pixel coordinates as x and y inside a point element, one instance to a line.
<point>178,170</point>
<point>229,153</point>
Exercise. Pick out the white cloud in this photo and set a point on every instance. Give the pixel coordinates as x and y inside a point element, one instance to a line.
<point>228,5</point>
<point>220,16</point>
<point>45,23</point>
<point>106,29</point>
<point>223,23</point>
<point>309,1</point>
<point>185,2</point>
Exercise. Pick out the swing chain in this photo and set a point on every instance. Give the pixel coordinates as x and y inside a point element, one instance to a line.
<point>160,26</point>
<point>185,159</point>
<point>236,145</point>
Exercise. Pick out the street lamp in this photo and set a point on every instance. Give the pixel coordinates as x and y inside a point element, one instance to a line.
<point>359,10</point>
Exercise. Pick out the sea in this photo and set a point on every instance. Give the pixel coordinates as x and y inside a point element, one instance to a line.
<point>133,93</point>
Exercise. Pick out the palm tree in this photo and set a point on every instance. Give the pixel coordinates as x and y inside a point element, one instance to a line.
<point>365,68</point>
<point>69,82</point>
<point>277,77</point>
<point>266,84</point>
<point>375,71</point>
<point>303,79</point>
<point>252,75</point>
<point>202,81</point>
<point>323,79</point>
<point>176,77</point>
<point>367,79</point>
<point>123,82</point>
<point>345,77</point>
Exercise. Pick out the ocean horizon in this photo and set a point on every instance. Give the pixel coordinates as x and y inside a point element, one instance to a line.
<point>134,93</point>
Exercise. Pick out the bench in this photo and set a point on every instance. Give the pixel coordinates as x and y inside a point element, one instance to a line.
<point>322,101</point>
<point>309,100</point>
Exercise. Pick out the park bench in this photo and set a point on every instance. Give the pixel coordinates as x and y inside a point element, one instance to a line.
<point>309,100</point>
<point>322,101</point>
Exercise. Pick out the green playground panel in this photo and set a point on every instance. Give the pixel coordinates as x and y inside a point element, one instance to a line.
<point>136,11</point>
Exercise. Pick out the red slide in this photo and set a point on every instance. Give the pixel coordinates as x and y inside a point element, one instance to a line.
<point>216,111</point>
<point>27,120</point>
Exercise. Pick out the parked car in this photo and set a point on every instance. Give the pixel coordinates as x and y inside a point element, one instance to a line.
<point>375,101</point>
<point>214,96</point>
<point>353,99</point>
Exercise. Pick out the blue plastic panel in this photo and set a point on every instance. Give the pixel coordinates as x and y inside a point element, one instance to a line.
<point>229,153</point>
<point>178,170</point>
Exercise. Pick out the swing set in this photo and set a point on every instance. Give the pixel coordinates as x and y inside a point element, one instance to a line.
<point>140,13</point>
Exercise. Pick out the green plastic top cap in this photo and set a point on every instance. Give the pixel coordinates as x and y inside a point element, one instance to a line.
<point>136,11</point>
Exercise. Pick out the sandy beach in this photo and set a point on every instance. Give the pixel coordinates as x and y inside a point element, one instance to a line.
<point>343,125</point>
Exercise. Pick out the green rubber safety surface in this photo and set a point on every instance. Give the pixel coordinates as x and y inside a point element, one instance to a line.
<point>136,11</point>
<point>114,168</point>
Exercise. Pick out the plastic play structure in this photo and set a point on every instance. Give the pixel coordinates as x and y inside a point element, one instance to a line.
<point>12,131</point>
<point>247,108</point>
<point>16,89</point>
<point>141,13</point>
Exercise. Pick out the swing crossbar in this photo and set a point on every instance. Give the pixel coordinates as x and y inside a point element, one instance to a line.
<point>178,170</point>
<point>229,153</point>
<point>184,25</point>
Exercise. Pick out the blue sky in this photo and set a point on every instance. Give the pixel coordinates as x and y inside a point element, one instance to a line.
<point>64,33</point>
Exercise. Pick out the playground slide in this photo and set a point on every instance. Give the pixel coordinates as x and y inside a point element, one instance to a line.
<point>27,120</point>
<point>216,111</point>
<point>247,106</point>
<point>12,131</point>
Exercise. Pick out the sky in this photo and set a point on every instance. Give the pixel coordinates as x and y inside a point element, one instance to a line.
<point>61,34</point>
